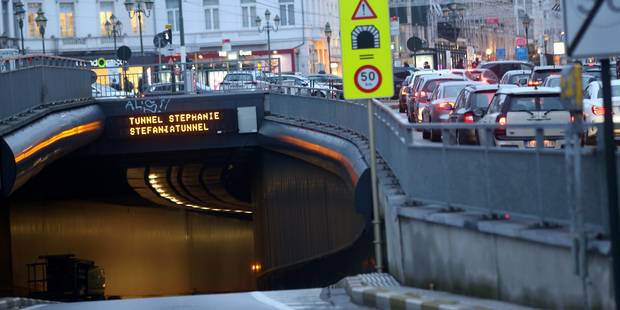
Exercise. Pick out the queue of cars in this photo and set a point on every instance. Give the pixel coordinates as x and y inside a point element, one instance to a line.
<point>525,95</point>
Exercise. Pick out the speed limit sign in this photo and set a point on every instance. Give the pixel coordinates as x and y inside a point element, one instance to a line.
<point>367,78</point>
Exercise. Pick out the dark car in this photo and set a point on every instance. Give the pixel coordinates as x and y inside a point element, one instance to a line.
<point>539,74</point>
<point>400,74</point>
<point>481,75</point>
<point>423,91</point>
<point>441,105</point>
<point>502,66</point>
<point>402,94</point>
<point>516,77</point>
<point>471,104</point>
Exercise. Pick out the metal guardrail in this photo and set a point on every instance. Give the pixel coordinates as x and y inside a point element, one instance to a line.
<point>181,78</point>
<point>532,183</point>
<point>31,81</point>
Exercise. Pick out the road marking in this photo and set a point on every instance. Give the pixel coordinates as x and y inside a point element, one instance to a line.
<point>269,301</point>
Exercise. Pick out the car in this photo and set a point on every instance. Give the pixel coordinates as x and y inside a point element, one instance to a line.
<point>593,111</point>
<point>422,92</point>
<point>415,79</point>
<point>402,94</point>
<point>288,80</point>
<point>500,67</point>
<point>441,104</point>
<point>478,75</point>
<point>540,73</point>
<point>554,80</point>
<point>470,105</point>
<point>516,77</point>
<point>524,106</point>
<point>245,80</point>
<point>399,75</point>
<point>105,91</point>
<point>159,89</point>
<point>333,81</point>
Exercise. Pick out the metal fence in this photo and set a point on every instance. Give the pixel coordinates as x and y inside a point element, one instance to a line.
<point>182,79</point>
<point>31,81</point>
<point>550,186</point>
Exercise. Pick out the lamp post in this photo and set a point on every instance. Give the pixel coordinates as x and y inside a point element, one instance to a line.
<point>526,25</point>
<point>139,8</point>
<point>19,13</point>
<point>328,35</point>
<point>113,28</point>
<point>268,27</point>
<point>41,21</point>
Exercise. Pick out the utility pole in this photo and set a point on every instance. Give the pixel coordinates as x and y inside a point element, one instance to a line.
<point>183,51</point>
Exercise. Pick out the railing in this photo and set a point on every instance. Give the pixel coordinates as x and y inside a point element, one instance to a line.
<point>536,184</point>
<point>31,81</point>
<point>182,79</point>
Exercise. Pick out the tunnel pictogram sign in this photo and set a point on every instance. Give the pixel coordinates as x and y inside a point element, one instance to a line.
<point>366,52</point>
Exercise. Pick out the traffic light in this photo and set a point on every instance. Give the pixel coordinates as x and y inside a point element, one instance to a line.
<point>168,36</point>
<point>163,39</point>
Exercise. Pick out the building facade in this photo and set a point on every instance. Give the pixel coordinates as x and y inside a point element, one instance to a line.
<point>214,29</point>
<point>475,28</point>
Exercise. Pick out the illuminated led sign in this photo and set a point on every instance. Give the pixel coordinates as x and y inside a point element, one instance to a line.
<point>178,124</point>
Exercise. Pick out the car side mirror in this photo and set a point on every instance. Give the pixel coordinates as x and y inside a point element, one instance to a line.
<point>522,82</point>
<point>479,112</point>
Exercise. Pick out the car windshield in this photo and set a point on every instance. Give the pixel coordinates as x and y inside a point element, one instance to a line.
<point>540,75</point>
<point>481,100</point>
<point>238,77</point>
<point>615,91</point>
<point>554,82</point>
<point>515,78</point>
<point>452,91</point>
<point>479,75</point>
<point>536,103</point>
<point>432,85</point>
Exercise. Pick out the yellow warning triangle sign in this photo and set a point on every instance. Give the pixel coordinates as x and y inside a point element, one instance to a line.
<point>364,11</point>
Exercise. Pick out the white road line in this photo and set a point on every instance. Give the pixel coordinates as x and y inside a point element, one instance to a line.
<point>269,301</point>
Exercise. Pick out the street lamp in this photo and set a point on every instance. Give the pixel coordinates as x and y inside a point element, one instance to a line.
<point>41,21</point>
<point>142,7</point>
<point>113,28</point>
<point>328,35</point>
<point>268,27</point>
<point>526,25</point>
<point>19,13</point>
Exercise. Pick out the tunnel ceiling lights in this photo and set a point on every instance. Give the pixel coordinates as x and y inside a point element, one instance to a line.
<point>161,191</point>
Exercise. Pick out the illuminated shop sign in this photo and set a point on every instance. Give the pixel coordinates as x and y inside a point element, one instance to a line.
<point>178,124</point>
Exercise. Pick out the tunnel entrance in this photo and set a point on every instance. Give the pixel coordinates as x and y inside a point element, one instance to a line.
<point>364,37</point>
<point>154,227</point>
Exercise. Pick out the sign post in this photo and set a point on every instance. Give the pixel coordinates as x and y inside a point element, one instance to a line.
<point>586,22</point>
<point>367,74</point>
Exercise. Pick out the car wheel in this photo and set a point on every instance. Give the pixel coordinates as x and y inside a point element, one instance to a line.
<point>435,135</point>
<point>426,134</point>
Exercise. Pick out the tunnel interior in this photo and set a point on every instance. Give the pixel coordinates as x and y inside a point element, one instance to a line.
<point>213,221</point>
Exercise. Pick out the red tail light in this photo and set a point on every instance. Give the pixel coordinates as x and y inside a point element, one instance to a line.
<point>422,94</point>
<point>596,110</point>
<point>416,94</point>
<point>444,106</point>
<point>468,117</point>
<point>500,132</point>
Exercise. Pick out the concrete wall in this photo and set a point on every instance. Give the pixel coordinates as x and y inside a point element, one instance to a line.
<point>6,267</point>
<point>511,261</point>
<point>302,211</point>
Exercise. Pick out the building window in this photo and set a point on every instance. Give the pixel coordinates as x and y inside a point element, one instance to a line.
<point>212,14</point>
<point>172,8</point>
<point>66,20</point>
<point>248,13</point>
<point>33,30</point>
<point>287,12</point>
<point>106,9</point>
